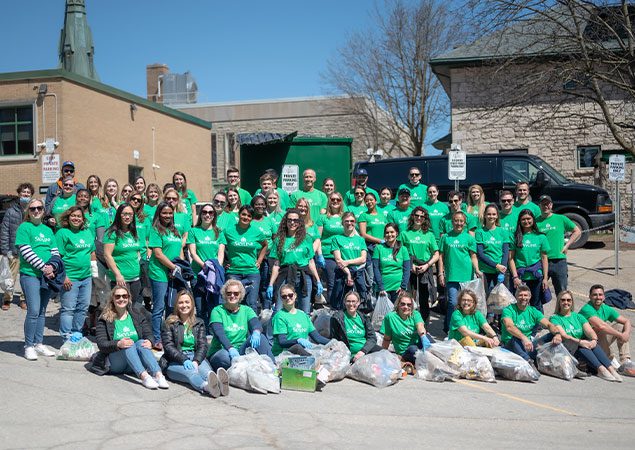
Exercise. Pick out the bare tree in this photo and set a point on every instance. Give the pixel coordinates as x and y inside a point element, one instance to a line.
<point>564,52</point>
<point>386,73</point>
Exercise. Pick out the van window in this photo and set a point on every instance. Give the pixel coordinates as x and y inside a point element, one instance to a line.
<point>516,170</point>
<point>437,173</point>
<point>479,171</point>
<point>390,173</point>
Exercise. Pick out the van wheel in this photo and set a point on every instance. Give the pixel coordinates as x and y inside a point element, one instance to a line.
<point>584,227</point>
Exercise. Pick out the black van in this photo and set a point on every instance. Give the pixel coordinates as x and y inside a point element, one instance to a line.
<point>589,206</point>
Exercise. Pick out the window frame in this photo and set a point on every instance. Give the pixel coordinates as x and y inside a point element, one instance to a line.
<point>33,123</point>
<point>578,148</point>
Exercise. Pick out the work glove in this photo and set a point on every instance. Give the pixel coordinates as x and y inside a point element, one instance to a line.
<point>305,343</point>
<point>188,365</point>
<point>500,278</point>
<point>269,292</point>
<point>320,288</point>
<point>76,336</point>
<point>320,261</point>
<point>175,271</point>
<point>425,342</point>
<point>233,353</point>
<point>254,341</point>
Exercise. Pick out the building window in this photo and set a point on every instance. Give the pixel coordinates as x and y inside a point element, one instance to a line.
<point>134,172</point>
<point>587,155</point>
<point>16,130</point>
<point>230,142</point>
<point>214,157</point>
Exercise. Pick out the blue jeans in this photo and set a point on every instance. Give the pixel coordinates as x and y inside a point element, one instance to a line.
<point>160,290</point>
<point>304,301</point>
<point>409,354</point>
<point>329,267</point>
<point>37,298</point>
<point>135,359</point>
<point>516,345</point>
<point>251,282</point>
<point>452,289</point>
<point>74,305</point>
<point>221,357</point>
<point>595,358</point>
<point>205,301</point>
<point>559,274</point>
<point>196,377</point>
<point>265,275</point>
<point>341,288</point>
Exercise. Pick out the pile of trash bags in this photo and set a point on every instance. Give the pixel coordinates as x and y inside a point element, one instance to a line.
<point>332,360</point>
<point>478,287</point>
<point>254,372</point>
<point>555,360</point>
<point>432,368</point>
<point>499,298</point>
<point>468,362</point>
<point>627,368</point>
<point>6,279</point>
<point>322,321</point>
<point>81,350</point>
<point>513,367</point>
<point>380,369</point>
<point>382,307</point>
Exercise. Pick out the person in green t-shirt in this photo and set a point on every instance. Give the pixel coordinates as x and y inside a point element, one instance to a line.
<point>610,326</point>
<point>418,190</point>
<point>310,224</point>
<point>152,200</point>
<point>371,227</point>
<point>233,178</point>
<point>349,252</point>
<point>385,206</point>
<point>65,200</point>
<point>455,200</point>
<point>404,327</point>
<point>182,221</point>
<point>554,226</point>
<point>316,199</point>
<point>235,328</point>
<point>492,248</point>
<point>523,199</point>
<point>423,250</point>
<point>580,339</point>
<point>188,197</point>
<point>391,264</point>
<point>436,210</point>
<point>76,245</point>
<point>519,324</point>
<point>528,258</point>
<point>354,328</point>
<point>361,181</point>
<point>293,327</point>
<point>265,225</point>
<point>402,211</point>
<point>330,225</point>
<point>292,254</point>
<point>467,323</point>
<point>358,207</point>
<point>476,203</point>
<point>508,212</point>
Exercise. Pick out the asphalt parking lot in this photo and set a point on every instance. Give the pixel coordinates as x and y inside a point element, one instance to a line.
<point>58,404</point>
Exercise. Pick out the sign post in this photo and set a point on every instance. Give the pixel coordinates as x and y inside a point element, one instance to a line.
<point>290,178</point>
<point>50,168</point>
<point>457,165</point>
<point>617,173</point>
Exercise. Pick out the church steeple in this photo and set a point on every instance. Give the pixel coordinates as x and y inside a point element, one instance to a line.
<point>76,47</point>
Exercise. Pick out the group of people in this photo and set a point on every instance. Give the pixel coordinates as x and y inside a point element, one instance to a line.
<point>161,250</point>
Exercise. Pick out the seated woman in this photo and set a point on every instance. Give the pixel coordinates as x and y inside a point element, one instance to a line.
<point>466,323</point>
<point>292,327</point>
<point>235,327</point>
<point>185,347</point>
<point>354,328</point>
<point>580,338</point>
<point>125,340</point>
<point>404,327</point>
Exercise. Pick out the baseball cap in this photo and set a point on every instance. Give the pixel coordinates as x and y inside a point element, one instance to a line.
<point>403,191</point>
<point>359,172</point>
<point>545,199</point>
<point>68,164</point>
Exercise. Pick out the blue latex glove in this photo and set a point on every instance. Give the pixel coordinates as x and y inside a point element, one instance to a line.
<point>320,261</point>
<point>269,292</point>
<point>305,343</point>
<point>254,341</point>
<point>233,353</point>
<point>76,336</point>
<point>500,278</point>
<point>425,342</point>
<point>320,288</point>
<point>188,365</point>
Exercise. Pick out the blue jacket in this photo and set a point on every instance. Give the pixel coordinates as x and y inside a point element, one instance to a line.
<point>211,278</point>
<point>55,284</point>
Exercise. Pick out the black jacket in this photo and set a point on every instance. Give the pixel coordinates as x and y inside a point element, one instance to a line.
<point>338,331</point>
<point>12,219</point>
<point>172,339</point>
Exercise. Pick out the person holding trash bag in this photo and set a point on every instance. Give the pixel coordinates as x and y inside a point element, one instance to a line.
<point>520,322</point>
<point>185,348</point>
<point>404,327</point>
<point>391,264</point>
<point>492,248</point>
<point>354,328</point>
<point>580,338</point>
<point>349,251</point>
<point>468,326</point>
<point>292,327</point>
<point>235,328</point>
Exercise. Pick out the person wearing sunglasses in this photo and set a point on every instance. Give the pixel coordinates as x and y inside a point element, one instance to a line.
<point>405,329</point>
<point>188,197</point>
<point>124,338</point>
<point>63,201</point>
<point>358,206</point>
<point>354,328</point>
<point>418,190</point>
<point>391,264</point>
<point>223,218</point>
<point>468,326</point>
<point>235,328</point>
<point>437,210</point>
<point>142,220</point>
<point>492,248</point>
<point>55,189</point>
<point>402,211</point>
<point>36,244</point>
<point>330,226</point>
<point>182,221</point>
<point>361,180</point>
<point>455,200</point>
<point>508,212</point>
<point>152,199</point>
<point>126,192</point>
<point>349,252</point>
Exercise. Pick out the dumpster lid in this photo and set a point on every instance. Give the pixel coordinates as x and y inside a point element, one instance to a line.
<point>264,138</point>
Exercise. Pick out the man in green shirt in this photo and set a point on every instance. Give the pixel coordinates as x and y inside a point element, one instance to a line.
<point>508,213</point>
<point>418,190</point>
<point>523,199</point>
<point>317,199</point>
<point>455,200</point>
<point>554,226</point>
<point>361,180</point>
<point>402,211</point>
<point>609,324</point>
<point>268,183</point>
<point>233,178</point>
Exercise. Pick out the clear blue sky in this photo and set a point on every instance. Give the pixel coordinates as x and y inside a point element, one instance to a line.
<point>236,50</point>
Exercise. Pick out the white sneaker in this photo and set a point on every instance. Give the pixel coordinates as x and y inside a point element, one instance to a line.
<point>43,350</point>
<point>149,382</point>
<point>30,353</point>
<point>162,382</point>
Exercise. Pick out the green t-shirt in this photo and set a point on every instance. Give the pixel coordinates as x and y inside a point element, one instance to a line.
<point>95,205</point>
<point>170,244</point>
<point>189,203</point>
<point>437,211</point>
<point>492,240</point>
<point>418,193</point>
<point>573,324</point>
<point>403,333</point>
<point>400,217</point>
<point>447,226</point>
<point>182,222</point>
<point>245,196</point>
<point>275,219</point>
<point>206,244</point>
<point>125,329</point>
<point>41,239</point>
<point>509,221</point>
<point>525,320</point>
<point>235,325</point>
<point>75,248</point>
<point>375,223</point>
<point>313,232</point>
<point>472,322</point>
<point>317,201</point>
<point>419,244</point>
<point>126,254</point>
<point>535,209</point>
<point>357,210</point>
<point>385,209</point>
<point>283,197</point>
<point>300,255</point>
<point>350,247</point>
<point>391,269</point>
<point>295,326</point>
<point>457,262</point>
<point>529,254</point>
<point>189,341</point>
<point>60,205</point>
<point>149,211</point>
<point>554,227</point>
<point>264,226</point>
<point>605,312</point>
<point>349,197</point>
<point>242,245</point>
<point>331,227</point>
<point>355,332</point>
<point>226,220</point>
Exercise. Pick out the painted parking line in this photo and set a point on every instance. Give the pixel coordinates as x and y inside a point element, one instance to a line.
<point>518,399</point>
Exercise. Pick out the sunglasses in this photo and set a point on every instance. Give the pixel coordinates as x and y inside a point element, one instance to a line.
<point>293,220</point>
<point>415,174</point>
<point>36,208</point>
<point>286,296</point>
<point>357,194</point>
<point>419,216</point>
<point>68,170</point>
<point>135,199</point>
<point>207,212</point>
<point>232,293</point>
<point>68,185</point>
<point>118,296</point>
<point>219,202</point>
<point>408,305</point>
<point>336,200</point>
<point>171,198</point>
<point>349,221</point>
<point>507,200</point>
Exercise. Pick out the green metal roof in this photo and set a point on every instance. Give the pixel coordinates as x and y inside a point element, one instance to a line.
<point>103,88</point>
